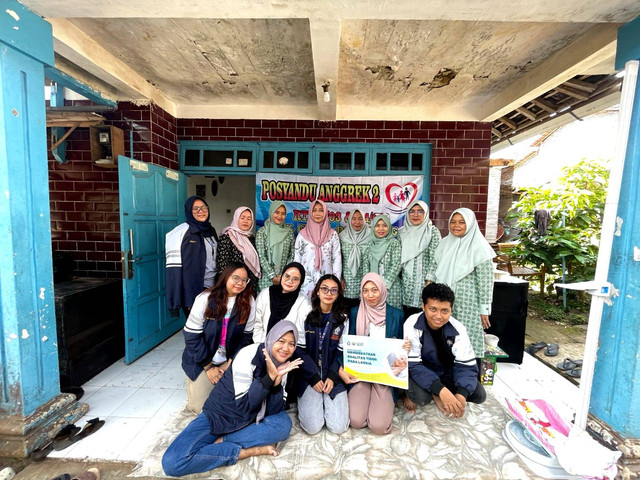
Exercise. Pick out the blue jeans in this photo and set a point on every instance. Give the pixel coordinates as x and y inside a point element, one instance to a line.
<point>193,451</point>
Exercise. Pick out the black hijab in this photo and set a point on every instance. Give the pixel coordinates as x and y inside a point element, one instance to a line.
<point>280,302</point>
<point>204,228</point>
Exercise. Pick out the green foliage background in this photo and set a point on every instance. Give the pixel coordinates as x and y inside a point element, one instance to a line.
<point>580,194</point>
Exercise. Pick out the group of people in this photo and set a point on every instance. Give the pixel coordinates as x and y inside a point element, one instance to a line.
<point>246,358</point>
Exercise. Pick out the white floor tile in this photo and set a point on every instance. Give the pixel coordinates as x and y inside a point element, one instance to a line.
<point>144,403</point>
<point>110,441</point>
<point>107,399</point>
<point>175,343</point>
<point>156,358</point>
<point>146,438</point>
<point>133,376</point>
<point>107,374</point>
<point>173,406</point>
<point>168,377</point>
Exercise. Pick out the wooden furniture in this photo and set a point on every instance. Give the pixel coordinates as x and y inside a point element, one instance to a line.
<point>90,326</point>
<point>505,263</point>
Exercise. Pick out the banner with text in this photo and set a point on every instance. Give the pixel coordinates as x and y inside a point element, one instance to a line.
<point>371,195</point>
<point>376,360</point>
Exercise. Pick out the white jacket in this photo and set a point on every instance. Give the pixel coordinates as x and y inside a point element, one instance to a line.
<point>297,315</point>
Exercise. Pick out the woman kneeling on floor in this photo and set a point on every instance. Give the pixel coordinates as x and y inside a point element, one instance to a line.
<point>323,399</point>
<point>244,415</point>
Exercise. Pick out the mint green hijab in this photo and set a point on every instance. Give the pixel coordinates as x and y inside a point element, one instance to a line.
<point>379,246</point>
<point>276,235</point>
<point>457,257</point>
<point>349,235</point>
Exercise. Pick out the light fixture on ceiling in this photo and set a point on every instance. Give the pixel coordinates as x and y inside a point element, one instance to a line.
<point>325,88</point>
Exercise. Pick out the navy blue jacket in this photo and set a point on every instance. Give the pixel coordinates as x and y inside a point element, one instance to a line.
<point>186,262</point>
<point>427,369</point>
<point>202,339</point>
<point>331,353</point>
<point>237,398</point>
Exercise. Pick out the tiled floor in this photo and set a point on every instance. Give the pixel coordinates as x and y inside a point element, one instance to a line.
<point>138,401</point>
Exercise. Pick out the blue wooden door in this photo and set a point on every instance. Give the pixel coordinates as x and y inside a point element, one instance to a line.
<point>151,204</point>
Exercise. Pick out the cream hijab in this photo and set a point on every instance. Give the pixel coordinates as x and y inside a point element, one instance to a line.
<point>415,238</point>
<point>368,314</point>
<point>240,239</point>
<point>457,257</point>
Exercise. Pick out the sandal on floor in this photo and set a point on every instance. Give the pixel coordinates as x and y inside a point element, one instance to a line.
<point>92,426</point>
<point>575,372</point>
<point>568,364</point>
<point>64,476</point>
<point>536,347</point>
<point>41,453</point>
<point>61,441</point>
<point>552,350</point>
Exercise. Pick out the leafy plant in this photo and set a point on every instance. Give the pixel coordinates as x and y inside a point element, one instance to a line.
<point>576,205</point>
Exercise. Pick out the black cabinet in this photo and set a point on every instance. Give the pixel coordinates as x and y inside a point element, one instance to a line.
<point>90,326</point>
<point>509,316</point>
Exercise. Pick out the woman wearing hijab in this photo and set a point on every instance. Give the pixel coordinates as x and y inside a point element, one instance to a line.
<point>371,404</point>
<point>323,399</point>
<point>221,323</point>
<point>463,260</point>
<point>419,238</point>
<point>317,247</point>
<point>354,243</point>
<point>274,243</point>
<point>385,258</point>
<point>244,415</point>
<point>281,302</point>
<point>237,244</point>
<point>191,257</point>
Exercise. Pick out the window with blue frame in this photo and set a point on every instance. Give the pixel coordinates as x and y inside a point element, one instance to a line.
<point>241,158</point>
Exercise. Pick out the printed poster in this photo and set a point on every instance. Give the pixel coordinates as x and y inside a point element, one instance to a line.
<point>376,360</point>
<point>372,195</point>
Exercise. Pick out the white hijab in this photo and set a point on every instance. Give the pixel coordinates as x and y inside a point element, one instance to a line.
<point>457,257</point>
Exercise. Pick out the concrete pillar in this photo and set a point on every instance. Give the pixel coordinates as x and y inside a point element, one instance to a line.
<point>31,405</point>
<point>615,395</point>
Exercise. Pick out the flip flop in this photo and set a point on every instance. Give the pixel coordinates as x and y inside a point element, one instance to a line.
<point>536,347</point>
<point>568,364</point>
<point>575,372</point>
<point>551,350</point>
<point>92,426</point>
<point>60,442</point>
<point>64,476</point>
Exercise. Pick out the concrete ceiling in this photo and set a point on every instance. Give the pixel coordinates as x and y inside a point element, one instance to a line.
<point>394,60</point>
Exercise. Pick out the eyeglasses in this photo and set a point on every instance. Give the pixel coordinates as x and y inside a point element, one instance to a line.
<point>327,290</point>
<point>416,212</point>
<point>237,279</point>
<point>203,209</point>
<point>286,276</point>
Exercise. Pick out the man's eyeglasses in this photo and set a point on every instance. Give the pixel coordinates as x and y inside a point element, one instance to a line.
<point>237,279</point>
<point>203,209</point>
<point>327,290</point>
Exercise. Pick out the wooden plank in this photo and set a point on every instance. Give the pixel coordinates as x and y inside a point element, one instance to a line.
<point>496,132</point>
<point>572,92</point>
<point>543,104</point>
<point>500,162</point>
<point>509,123</point>
<point>527,113</point>
<point>580,85</point>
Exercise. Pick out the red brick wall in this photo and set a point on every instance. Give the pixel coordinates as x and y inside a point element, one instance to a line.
<point>460,162</point>
<point>85,218</point>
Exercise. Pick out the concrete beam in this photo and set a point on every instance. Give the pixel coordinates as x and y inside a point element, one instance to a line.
<point>612,11</point>
<point>88,51</point>
<point>325,45</point>
<point>590,49</point>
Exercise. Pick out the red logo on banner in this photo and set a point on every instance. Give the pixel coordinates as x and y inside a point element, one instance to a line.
<point>401,195</point>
